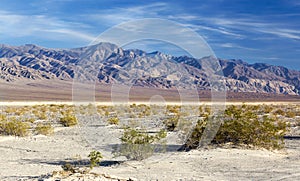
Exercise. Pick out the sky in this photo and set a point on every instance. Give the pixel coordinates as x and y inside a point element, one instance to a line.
<point>265,31</point>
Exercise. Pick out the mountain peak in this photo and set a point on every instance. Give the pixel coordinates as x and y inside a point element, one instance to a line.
<point>115,65</point>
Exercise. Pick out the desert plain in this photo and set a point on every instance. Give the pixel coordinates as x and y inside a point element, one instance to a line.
<point>41,157</point>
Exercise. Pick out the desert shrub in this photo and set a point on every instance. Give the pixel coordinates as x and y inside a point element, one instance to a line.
<point>68,167</point>
<point>267,108</point>
<point>68,120</point>
<point>144,113</point>
<point>171,123</point>
<point>106,113</point>
<point>10,110</point>
<point>204,111</point>
<point>95,158</point>
<point>2,117</point>
<point>137,144</point>
<point>14,127</point>
<point>19,112</point>
<point>53,108</point>
<point>290,114</point>
<point>279,112</point>
<point>174,110</point>
<point>113,120</point>
<point>44,129</point>
<point>207,109</point>
<point>297,122</point>
<point>254,107</point>
<point>30,120</point>
<point>140,110</point>
<point>40,114</point>
<point>240,126</point>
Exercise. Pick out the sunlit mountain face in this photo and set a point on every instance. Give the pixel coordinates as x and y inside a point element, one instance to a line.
<point>109,64</point>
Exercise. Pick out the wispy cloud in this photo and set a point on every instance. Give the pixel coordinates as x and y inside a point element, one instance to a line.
<point>72,33</point>
<point>284,33</point>
<point>119,15</point>
<point>234,45</point>
<point>255,26</point>
<point>17,25</point>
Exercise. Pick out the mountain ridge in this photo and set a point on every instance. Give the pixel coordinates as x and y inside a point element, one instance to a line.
<point>112,64</point>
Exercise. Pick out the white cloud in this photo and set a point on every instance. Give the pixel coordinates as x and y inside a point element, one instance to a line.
<point>233,45</point>
<point>16,25</point>
<point>284,33</point>
<point>119,15</point>
<point>255,26</point>
<point>72,33</point>
<point>220,30</point>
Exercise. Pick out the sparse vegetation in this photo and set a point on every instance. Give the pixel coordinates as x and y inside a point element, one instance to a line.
<point>113,120</point>
<point>241,126</point>
<point>68,120</point>
<point>95,158</point>
<point>171,123</point>
<point>137,144</point>
<point>256,125</point>
<point>290,114</point>
<point>44,129</point>
<point>279,112</point>
<point>68,167</point>
<point>14,127</point>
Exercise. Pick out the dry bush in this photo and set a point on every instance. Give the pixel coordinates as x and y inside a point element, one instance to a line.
<point>241,126</point>
<point>290,114</point>
<point>268,109</point>
<point>68,120</point>
<point>173,110</point>
<point>279,112</point>
<point>113,120</point>
<point>14,127</point>
<point>44,129</point>
<point>39,114</point>
<point>2,117</point>
<point>137,144</point>
<point>30,120</point>
<point>204,111</point>
<point>171,123</point>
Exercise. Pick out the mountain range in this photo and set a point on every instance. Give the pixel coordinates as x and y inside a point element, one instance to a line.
<point>108,64</point>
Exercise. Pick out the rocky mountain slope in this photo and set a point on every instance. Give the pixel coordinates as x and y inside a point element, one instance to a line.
<point>109,64</point>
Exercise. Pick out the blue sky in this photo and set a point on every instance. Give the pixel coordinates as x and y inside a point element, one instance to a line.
<point>255,31</point>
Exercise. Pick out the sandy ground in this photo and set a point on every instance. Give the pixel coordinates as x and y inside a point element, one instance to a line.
<point>30,157</point>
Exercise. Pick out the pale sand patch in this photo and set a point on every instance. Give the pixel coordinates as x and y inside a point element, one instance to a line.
<point>6,138</point>
<point>36,155</point>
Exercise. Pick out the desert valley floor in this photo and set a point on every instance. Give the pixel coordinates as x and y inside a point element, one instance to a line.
<point>35,157</point>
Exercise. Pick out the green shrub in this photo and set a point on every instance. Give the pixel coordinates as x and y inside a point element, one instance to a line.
<point>14,127</point>
<point>240,126</point>
<point>68,120</point>
<point>137,145</point>
<point>113,120</point>
<point>44,129</point>
<point>95,158</point>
